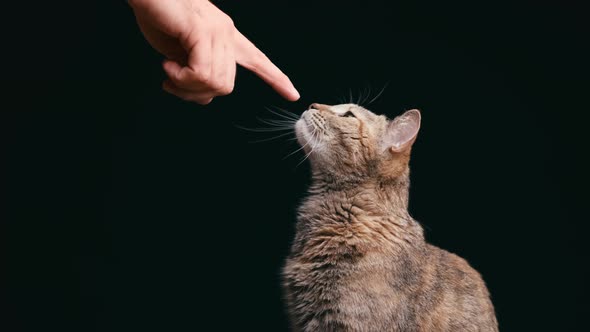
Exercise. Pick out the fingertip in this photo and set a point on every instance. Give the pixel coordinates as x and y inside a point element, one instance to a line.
<point>290,92</point>
<point>166,63</point>
<point>294,95</point>
<point>171,68</point>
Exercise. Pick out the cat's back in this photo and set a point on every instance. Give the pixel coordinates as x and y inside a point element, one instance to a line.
<point>457,299</point>
<point>423,289</point>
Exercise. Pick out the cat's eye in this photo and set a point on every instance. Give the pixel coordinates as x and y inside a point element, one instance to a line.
<point>349,114</point>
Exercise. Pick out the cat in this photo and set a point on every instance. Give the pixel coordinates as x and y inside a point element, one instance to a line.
<point>359,262</point>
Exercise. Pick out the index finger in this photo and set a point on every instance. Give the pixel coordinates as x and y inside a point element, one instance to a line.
<point>251,58</point>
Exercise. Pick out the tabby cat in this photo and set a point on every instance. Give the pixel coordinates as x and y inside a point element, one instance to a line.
<point>359,262</point>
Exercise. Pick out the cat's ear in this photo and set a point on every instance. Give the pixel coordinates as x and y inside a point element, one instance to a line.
<point>402,131</point>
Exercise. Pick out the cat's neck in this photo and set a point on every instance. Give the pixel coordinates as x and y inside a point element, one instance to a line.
<point>384,195</point>
<point>372,212</point>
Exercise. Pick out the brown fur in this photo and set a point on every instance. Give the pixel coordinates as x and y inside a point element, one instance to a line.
<point>359,261</point>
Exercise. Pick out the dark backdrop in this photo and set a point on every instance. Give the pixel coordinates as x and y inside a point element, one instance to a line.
<point>128,209</point>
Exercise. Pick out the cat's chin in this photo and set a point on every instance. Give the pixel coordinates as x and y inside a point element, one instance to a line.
<point>303,134</point>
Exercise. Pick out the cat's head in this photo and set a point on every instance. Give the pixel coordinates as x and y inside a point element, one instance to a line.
<point>349,142</point>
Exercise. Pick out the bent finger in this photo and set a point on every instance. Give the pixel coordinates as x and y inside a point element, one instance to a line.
<point>197,73</point>
<point>199,97</point>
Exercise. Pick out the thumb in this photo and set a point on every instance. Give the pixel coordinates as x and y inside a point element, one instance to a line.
<point>251,58</point>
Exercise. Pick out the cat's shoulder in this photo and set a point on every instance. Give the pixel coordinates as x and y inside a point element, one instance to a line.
<point>452,267</point>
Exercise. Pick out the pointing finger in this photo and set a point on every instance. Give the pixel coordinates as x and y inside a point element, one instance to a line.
<point>251,58</point>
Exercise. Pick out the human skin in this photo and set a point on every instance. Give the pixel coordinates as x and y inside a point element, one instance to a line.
<point>202,47</point>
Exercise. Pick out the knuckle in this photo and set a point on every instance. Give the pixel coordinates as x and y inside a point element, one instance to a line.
<point>185,97</point>
<point>228,22</point>
<point>226,89</point>
<point>217,86</point>
<point>223,22</point>
<point>203,76</point>
<point>204,101</point>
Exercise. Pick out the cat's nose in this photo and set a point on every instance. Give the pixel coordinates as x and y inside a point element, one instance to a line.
<point>319,107</point>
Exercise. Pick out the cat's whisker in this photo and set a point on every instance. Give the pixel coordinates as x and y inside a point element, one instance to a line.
<point>286,115</point>
<point>278,123</point>
<point>304,158</point>
<point>313,138</point>
<point>271,138</point>
<point>294,152</point>
<point>275,108</point>
<point>342,99</point>
<point>367,96</point>
<point>280,120</point>
<point>318,141</point>
<point>379,94</point>
<point>285,118</point>
<point>361,96</point>
<point>264,130</point>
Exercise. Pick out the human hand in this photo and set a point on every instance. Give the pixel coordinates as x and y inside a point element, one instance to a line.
<point>202,47</point>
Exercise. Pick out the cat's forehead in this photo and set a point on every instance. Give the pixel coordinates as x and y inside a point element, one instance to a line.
<point>343,108</point>
<point>366,114</point>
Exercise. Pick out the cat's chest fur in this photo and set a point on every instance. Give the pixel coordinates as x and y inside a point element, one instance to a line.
<point>346,262</point>
<point>343,295</point>
<point>354,267</point>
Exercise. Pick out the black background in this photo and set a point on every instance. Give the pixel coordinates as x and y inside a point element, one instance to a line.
<point>128,209</point>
